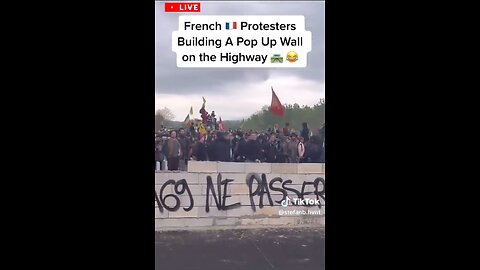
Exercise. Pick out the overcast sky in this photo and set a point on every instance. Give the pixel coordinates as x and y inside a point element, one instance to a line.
<point>236,93</point>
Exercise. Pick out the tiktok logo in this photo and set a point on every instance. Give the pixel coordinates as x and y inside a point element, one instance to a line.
<point>286,202</point>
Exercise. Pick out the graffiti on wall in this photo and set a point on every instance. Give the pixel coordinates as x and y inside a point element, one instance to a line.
<point>258,187</point>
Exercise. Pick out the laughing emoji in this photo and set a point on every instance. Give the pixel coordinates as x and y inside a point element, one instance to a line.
<point>292,56</point>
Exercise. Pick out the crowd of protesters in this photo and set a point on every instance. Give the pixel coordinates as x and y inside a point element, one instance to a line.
<point>174,148</point>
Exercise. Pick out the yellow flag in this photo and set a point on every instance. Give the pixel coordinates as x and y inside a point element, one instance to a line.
<point>191,110</point>
<point>201,129</point>
<point>204,100</point>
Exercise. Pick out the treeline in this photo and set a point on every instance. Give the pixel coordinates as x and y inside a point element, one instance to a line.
<point>294,114</point>
<point>263,119</point>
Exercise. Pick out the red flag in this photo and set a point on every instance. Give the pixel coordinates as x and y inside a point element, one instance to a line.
<point>220,125</point>
<point>276,107</point>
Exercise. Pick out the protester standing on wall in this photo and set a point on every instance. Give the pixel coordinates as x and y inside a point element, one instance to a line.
<point>200,150</point>
<point>185,149</point>
<point>158,151</point>
<point>293,148</point>
<point>220,148</point>
<point>172,150</point>
<point>305,132</point>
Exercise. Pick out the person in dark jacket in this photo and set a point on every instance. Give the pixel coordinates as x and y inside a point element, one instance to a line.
<point>321,133</point>
<point>252,149</point>
<point>322,143</point>
<point>262,145</point>
<point>158,151</point>
<point>313,151</point>
<point>322,156</point>
<point>273,150</point>
<point>239,147</point>
<point>220,149</point>
<point>305,132</point>
<point>286,129</point>
<point>200,150</point>
<point>185,149</point>
<point>209,140</point>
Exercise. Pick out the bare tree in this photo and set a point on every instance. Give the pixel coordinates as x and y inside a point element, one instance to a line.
<point>166,113</point>
<point>162,117</point>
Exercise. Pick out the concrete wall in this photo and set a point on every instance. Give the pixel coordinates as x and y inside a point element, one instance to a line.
<point>235,208</point>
